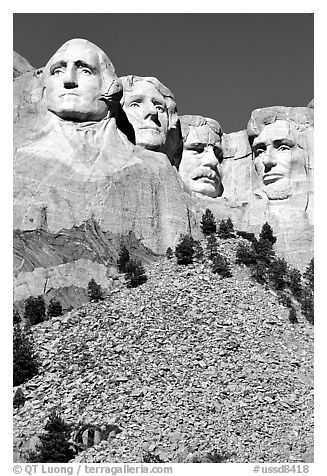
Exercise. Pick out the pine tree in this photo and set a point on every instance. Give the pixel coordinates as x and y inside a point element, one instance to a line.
<point>35,310</point>
<point>221,266</point>
<point>308,275</point>
<point>266,233</point>
<point>212,246</point>
<point>292,316</point>
<point>184,250</point>
<point>263,250</point>
<point>169,253</point>
<point>278,273</point>
<point>208,223</point>
<point>25,364</point>
<point>16,316</point>
<point>123,258</point>
<point>55,446</point>
<point>55,308</point>
<point>135,273</point>
<point>245,254</point>
<point>198,251</point>
<point>225,229</point>
<point>294,282</point>
<point>230,227</point>
<point>19,398</point>
<point>259,272</point>
<point>94,291</point>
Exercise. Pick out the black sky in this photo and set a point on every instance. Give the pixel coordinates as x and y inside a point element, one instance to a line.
<point>218,65</point>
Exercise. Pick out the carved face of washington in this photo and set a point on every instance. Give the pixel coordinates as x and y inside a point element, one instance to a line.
<point>274,152</point>
<point>200,167</point>
<point>75,79</point>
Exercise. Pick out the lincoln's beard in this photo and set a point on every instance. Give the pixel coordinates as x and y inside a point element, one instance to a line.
<point>279,190</point>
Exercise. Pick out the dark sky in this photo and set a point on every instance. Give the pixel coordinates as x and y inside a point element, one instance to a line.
<point>217,65</point>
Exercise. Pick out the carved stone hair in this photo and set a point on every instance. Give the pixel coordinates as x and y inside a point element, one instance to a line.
<point>109,82</point>
<point>299,118</point>
<point>128,83</point>
<point>189,121</point>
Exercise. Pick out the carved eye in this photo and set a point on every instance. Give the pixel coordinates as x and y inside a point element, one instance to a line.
<point>134,104</point>
<point>283,148</point>
<point>197,149</point>
<point>85,71</point>
<point>259,152</point>
<point>57,71</point>
<point>160,108</point>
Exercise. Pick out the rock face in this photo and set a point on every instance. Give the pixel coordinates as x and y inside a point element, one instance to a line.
<point>84,184</point>
<point>20,65</point>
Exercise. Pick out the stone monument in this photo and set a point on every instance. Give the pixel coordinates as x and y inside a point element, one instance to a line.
<point>200,167</point>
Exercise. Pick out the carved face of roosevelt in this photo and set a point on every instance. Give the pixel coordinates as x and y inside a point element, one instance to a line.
<point>146,110</point>
<point>275,151</point>
<point>74,82</point>
<point>200,169</point>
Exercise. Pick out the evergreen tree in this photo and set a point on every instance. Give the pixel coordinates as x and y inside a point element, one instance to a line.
<point>278,273</point>
<point>263,250</point>
<point>184,251</point>
<point>169,253</point>
<point>245,254</point>
<point>259,272</point>
<point>94,291</point>
<point>308,275</point>
<point>55,308</point>
<point>19,398</point>
<point>225,229</point>
<point>35,310</point>
<point>212,246</point>
<point>16,316</point>
<point>292,316</point>
<point>208,223</point>
<point>221,266</point>
<point>25,364</point>
<point>230,227</point>
<point>246,235</point>
<point>55,446</point>
<point>198,251</point>
<point>294,282</point>
<point>307,304</point>
<point>266,233</point>
<point>135,273</point>
<point>123,258</point>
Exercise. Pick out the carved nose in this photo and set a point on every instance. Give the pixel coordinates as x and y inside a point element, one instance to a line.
<point>70,80</point>
<point>150,110</point>
<point>209,158</point>
<point>268,161</point>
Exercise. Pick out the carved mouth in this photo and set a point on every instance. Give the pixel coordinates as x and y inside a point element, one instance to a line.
<point>68,94</point>
<point>150,128</point>
<point>271,178</point>
<point>206,174</point>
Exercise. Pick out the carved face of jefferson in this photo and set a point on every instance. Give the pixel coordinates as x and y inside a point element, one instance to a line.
<point>200,167</point>
<point>146,110</point>
<point>75,78</point>
<point>275,150</point>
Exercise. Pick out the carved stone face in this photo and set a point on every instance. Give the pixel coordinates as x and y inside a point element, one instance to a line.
<point>74,83</point>
<point>146,110</point>
<point>275,151</point>
<point>200,169</point>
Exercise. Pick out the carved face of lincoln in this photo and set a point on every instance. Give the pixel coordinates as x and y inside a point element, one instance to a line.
<point>146,110</point>
<point>75,78</point>
<point>200,167</point>
<point>275,151</point>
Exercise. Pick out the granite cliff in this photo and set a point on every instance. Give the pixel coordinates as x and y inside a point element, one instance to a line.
<point>81,188</point>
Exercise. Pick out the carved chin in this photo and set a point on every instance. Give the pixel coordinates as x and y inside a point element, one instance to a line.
<point>279,190</point>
